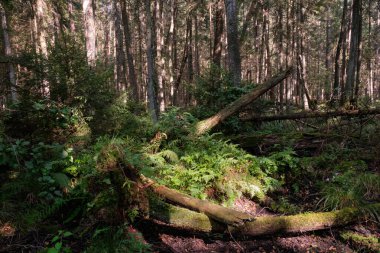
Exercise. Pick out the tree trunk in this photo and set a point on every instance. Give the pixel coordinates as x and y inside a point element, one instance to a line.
<point>207,124</point>
<point>309,115</point>
<point>253,9</point>
<point>152,103</point>
<point>128,48</point>
<point>90,31</point>
<point>234,60</point>
<point>160,55</point>
<point>121,81</point>
<point>218,32</point>
<point>352,67</point>
<point>267,225</point>
<point>8,53</point>
<point>338,51</point>
<point>181,69</point>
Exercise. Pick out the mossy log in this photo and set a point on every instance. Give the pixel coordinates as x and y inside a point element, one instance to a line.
<point>217,212</point>
<point>209,123</point>
<point>309,115</point>
<point>189,220</point>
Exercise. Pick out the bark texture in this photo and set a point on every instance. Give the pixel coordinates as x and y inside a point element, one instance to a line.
<point>90,31</point>
<point>150,62</point>
<point>353,61</point>
<point>234,60</point>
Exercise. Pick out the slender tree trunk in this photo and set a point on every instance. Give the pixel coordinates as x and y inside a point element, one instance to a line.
<point>218,32</point>
<point>369,60</point>
<point>338,52</point>
<point>8,53</point>
<point>172,48</point>
<point>234,60</point>
<point>253,9</point>
<point>301,59</point>
<point>121,81</point>
<point>280,51</point>
<point>41,13</point>
<point>181,70</point>
<point>138,19</point>
<point>190,66</point>
<point>160,53</point>
<point>90,31</point>
<point>152,103</point>
<point>197,65</point>
<point>128,48</point>
<point>352,67</point>
<point>327,84</point>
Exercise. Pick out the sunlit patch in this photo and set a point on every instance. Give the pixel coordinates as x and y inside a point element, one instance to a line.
<point>14,174</point>
<point>7,229</point>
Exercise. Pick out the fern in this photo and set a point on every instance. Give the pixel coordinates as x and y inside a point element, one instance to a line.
<point>43,211</point>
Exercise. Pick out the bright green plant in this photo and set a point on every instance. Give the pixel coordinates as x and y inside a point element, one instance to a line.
<point>208,167</point>
<point>58,242</point>
<point>350,189</point>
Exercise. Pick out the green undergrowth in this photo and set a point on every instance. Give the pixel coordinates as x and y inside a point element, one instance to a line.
<point>363,243</point>
<point>86,186</point>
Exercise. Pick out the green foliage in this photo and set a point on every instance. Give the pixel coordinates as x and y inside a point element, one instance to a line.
<point>176,124</point>
<point>209,167</point>
<point>213,91</point>
<point>362,243</point>
<point>282,205</point>
<point>118,239</point>
<point>41,119</point>
<point>58,242</point>
<point>350,188</point>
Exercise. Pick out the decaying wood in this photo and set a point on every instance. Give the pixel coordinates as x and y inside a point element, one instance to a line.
<point>207,124</point>
<point>308,115</point>
<point>219,213</point>
<point>189,220</point>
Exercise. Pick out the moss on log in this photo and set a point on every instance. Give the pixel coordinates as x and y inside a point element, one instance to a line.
<point>190,220</point>
<point>217,212</point>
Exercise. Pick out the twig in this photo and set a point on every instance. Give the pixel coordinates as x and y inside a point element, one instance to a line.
<point>228,229</point>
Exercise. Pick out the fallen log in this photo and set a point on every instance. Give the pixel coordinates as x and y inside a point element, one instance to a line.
<point>182,218</point>
<point>308,115</point>
<point>217,212</point>
<point>207,124</point>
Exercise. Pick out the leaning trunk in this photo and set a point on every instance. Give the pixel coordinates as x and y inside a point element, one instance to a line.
<point>207,124</point>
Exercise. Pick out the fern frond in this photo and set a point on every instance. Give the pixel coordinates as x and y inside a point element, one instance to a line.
<point>169,155</point>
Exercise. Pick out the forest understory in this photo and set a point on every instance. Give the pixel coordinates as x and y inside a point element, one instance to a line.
<point>283,168</point>
<point>189,126</point>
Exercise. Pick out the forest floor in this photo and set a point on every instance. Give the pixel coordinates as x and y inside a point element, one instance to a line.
<point>341,166</point>
<point>333,240</point>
